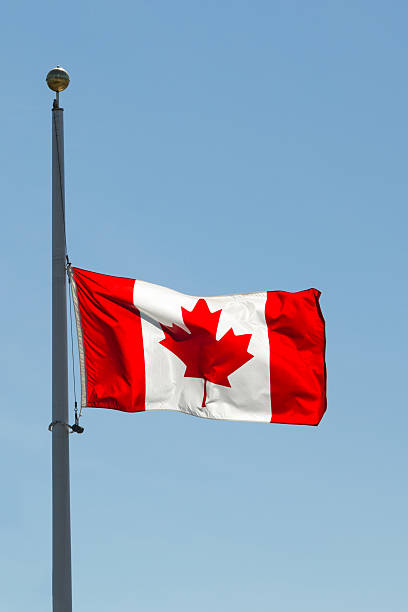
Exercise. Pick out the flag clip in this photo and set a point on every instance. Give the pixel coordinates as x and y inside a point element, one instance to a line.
<point>76,428</point>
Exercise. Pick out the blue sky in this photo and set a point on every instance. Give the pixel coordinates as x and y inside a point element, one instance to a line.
<point>214,147</point>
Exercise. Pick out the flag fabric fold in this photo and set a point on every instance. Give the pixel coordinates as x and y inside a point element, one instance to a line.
<point>249,357</point>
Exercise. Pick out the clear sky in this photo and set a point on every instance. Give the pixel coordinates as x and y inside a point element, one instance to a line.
<point>213,147</point>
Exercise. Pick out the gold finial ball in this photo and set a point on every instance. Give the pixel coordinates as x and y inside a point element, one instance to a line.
<point>57,79</point>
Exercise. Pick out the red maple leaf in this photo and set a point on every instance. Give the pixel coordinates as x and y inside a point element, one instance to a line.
<point>204,355</point>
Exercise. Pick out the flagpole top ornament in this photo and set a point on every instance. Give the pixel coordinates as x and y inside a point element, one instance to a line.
<point>57,79</point>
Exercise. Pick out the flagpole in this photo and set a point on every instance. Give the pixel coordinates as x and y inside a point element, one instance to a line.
<point>57,80</point>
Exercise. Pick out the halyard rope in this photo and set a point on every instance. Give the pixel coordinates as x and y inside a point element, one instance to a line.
<point>60,182</point>
<point>74,428</point>
<point>72,341</point>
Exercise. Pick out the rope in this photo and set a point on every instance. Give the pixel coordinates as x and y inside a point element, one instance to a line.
<point>76,427</point>
<point>60,180</point>
<point>72,341</point>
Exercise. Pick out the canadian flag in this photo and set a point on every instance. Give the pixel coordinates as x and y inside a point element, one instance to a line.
<point>249,357</point>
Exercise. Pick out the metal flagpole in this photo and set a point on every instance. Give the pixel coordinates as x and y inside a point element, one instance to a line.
<point>57,80</point>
